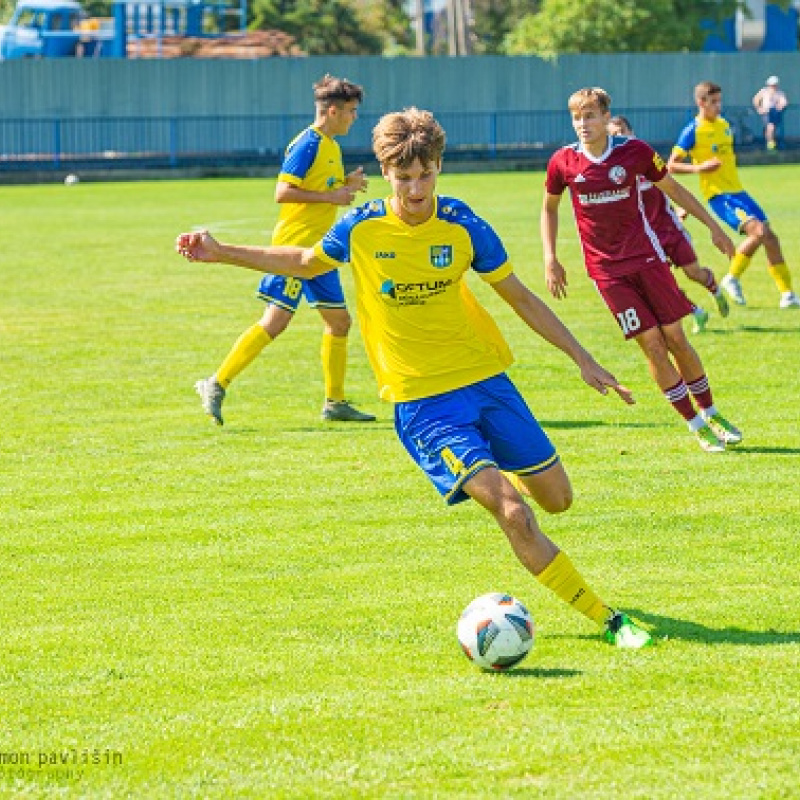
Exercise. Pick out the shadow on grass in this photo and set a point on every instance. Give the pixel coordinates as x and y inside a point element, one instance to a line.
<point>765,329</point>
<point>343,427</point>
<point>566,424</point>
<point>773,451</point>
<point>688,631</point>
<point>538,672</point>
<point>708,332</point>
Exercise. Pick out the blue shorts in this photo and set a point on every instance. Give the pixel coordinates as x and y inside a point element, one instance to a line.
<point>324,291</point>
<point>453,436</point>
<point>736,209</point>
<point>774,116</point>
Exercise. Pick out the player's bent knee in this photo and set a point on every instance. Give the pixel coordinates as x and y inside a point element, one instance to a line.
<point>338,323</point>
<point>557,502</point>
<point>517,516</point>
<point>275,321</point>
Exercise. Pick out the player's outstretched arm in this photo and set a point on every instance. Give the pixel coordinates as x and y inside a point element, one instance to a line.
<point>554,273</point>
<point>541,319</point>
<point>686,200</point>
<point>296,262</point>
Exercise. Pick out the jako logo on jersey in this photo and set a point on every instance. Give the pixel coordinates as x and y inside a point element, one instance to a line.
<point>617,174</point>
<point>441,255</point>
<point>330,182</point>
<point>384,254</point>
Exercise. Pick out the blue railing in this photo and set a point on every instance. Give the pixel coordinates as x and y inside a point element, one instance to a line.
<point>173,142</point>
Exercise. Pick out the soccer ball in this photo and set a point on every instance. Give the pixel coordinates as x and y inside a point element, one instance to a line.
<point>496,631</point>
<point>71,180</point>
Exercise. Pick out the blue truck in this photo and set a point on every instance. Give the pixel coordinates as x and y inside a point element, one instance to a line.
<point>61,28</point>
<point>54,29</point>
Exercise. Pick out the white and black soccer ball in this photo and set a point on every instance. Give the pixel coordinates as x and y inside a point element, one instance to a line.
<point>496,631</point>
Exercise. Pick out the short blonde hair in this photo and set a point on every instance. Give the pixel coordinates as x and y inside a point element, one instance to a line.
<point>590,96</point>
<point>403,136</point>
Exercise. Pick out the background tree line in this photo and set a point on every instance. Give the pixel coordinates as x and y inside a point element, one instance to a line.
<point>511,27</point>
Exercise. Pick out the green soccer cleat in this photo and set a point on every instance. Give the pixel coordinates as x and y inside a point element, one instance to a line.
<point>700,319</point>
<point>622,631</point>
<point>724,430</point>
<point>722,303</point>
<point>342,411</point>
<point>708,440</point>
<point>211,396</point>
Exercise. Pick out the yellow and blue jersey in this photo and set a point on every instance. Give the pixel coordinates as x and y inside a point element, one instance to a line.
<point>312,161</point>
<point>424,331</point>
<point>703,139</point>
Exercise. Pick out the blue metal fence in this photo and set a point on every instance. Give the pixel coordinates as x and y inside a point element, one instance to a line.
<point>171,142</point>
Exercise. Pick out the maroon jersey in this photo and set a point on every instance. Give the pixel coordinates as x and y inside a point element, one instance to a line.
<point>616,237</point>
<point>657,209</point>
<point>674,238</point>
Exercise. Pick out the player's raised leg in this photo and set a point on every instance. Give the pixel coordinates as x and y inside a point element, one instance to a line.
<point>542,557</point>
<point>705,277</point>
<point>245,350</point>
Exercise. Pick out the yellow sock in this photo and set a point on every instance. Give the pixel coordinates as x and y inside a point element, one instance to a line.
<point>561,577</point>
<point>739,263</point>
<point>780,274</point>
<point>245,349</point>
<point>334,364</point>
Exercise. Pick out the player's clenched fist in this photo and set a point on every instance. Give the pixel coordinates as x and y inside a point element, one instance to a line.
<point>197,246</point>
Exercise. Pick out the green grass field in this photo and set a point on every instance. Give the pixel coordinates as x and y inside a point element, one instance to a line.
<point>269,609</point>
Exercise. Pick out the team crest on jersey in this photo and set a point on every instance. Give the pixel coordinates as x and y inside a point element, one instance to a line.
<point>441,255</point>
<point>617,174</point>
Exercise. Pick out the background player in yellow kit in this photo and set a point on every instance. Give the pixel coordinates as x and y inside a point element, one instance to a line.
<point>708,141</point>
<point>311,186</point>
<point>439,356</point>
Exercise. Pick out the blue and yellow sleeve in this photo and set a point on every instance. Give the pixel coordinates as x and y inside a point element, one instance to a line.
<point>299,158</point>
<point>686,141</point>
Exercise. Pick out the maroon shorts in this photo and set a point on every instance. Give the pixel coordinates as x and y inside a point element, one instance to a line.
<point>677,245</point>
<point>645,299</point>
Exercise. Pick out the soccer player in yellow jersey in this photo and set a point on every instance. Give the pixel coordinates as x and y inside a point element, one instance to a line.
<point>708,142</point>
<point>439,356</point>
<point>310,188</point>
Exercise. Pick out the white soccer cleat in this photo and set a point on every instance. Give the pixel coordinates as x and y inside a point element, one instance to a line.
<point>790,300</point>
<point>211,396</point>
<point>732,286</point>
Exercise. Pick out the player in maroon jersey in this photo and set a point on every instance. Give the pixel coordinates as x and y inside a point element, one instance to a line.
<point>674,238</point>
<point>625,259</point>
